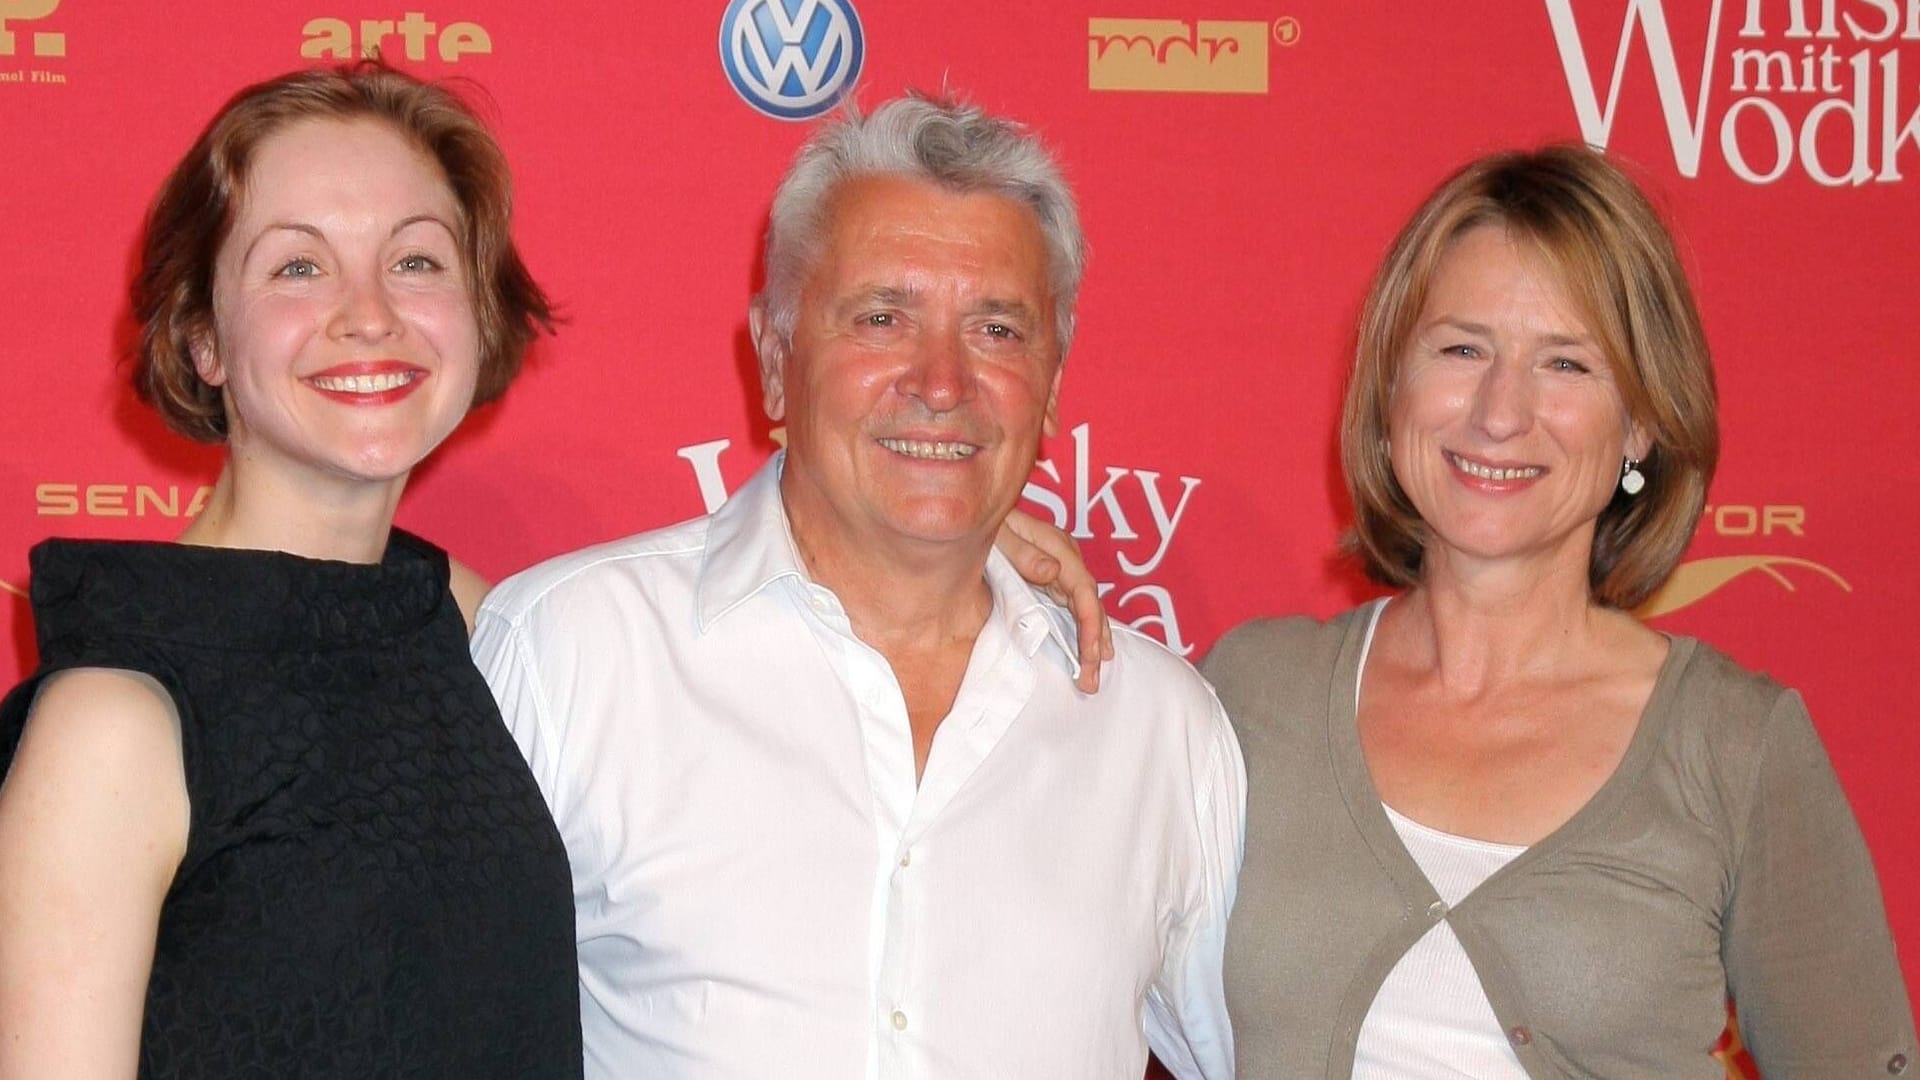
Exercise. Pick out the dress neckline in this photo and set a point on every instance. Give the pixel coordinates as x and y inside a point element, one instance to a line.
<point>271,600</point>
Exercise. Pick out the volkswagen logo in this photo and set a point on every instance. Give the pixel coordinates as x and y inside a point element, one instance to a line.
<point>791,59</point>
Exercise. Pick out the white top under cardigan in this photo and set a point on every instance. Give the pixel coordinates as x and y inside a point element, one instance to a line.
<point>1431,1019</point>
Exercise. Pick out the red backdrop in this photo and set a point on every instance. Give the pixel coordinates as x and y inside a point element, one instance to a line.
<point>1242,166</point>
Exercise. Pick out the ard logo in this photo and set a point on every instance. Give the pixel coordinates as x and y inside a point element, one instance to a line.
<point>16,40</point>
<point>791,59</point>
<point>1205,56</point>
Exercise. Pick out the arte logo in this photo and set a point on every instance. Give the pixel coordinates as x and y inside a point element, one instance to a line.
<point>1697,579</point>
<point>791,59</point>
<point>409,35</point>
<point>1203,56</point>
<point>1821,95</point>
<point>1132,509</point>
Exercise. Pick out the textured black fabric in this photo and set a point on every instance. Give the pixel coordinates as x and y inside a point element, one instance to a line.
<point>372,885</point>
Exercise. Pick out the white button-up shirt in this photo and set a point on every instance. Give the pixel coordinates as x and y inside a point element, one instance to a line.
<point>763,890</point>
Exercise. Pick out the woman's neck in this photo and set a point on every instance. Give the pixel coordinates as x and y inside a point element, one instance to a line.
<point>1496,624</point>
<point>263,509</point>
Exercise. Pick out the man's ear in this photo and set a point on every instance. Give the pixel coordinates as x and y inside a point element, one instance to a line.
<point>206,358</point>
<point>772,352</point>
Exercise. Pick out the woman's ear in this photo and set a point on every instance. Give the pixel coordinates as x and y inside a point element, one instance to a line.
<point>206,359</point>
<point>1639,441</point>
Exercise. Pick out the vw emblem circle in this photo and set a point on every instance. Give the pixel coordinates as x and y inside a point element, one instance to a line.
<point>791,59</point>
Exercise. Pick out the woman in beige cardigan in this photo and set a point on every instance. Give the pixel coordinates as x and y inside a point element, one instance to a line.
<point>1497,828</point>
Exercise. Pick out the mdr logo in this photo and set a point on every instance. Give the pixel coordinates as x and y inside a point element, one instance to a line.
<point>1812,86</point>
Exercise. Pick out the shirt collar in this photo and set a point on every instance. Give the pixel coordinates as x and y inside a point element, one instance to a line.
<point>1032,620</point>
<point>750,546</point>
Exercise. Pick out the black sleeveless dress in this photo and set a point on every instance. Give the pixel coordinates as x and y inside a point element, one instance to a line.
<point>372,884</point>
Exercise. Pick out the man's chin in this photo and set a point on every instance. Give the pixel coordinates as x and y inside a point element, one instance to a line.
<point>936,525</point>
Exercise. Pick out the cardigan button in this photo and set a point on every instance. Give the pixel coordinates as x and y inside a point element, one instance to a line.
<point>1520,1035</point>
<point>1897,1064</point>
<point>1437,910</point>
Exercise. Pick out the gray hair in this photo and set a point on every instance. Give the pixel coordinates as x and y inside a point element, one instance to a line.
<point>940,140</point>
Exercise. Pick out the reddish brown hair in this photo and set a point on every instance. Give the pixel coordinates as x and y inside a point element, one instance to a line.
<point>196,206</point>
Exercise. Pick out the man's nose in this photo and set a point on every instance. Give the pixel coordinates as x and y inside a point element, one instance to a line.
<point>940,374</point>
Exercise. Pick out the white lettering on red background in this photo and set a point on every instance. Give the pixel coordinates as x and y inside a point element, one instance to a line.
<point>1137,511</point>
<point>1796,79</point>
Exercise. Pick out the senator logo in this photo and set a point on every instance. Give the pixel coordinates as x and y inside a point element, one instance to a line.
<point>408,36</point>
<point>119,500</point>
<point>59,499</point>
<point>1696,579</point>
<point>791,59</point>
<point>38,42</point>
<point>1823,95</point>
<point>1204,56</point>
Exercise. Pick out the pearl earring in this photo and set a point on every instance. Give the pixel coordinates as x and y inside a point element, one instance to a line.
<point>1632,480</point>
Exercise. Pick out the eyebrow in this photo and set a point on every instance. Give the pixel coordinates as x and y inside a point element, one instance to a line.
<point>1483,330</point>
<point>274,227</point>
<point>310,230</point>
<point>894,295</point>
<point>1004,307</point>
<point>904,296</point>
<point>415,219</point>
<point>1463,325</point>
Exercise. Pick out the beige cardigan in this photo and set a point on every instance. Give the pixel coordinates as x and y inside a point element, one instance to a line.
<point>1720,858</point>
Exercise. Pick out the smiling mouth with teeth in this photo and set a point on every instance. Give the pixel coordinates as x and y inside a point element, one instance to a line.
<point>1486,472</point>
<point>364,384</point>
<point>930,451</point>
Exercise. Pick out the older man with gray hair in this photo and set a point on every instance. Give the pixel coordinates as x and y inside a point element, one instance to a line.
<point>834,805</point>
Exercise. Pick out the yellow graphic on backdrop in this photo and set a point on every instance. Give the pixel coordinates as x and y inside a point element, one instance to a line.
<point>19,11</point>
<point>119,500</point>
<point>1694,581</point>
<point>1202,56</point>
<point>408,36</point>
<point>1690,583</point>
<point>1698,579</point>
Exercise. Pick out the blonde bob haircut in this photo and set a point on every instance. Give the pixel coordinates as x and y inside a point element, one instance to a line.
<point>1596,234</point>
<point>172,292</point>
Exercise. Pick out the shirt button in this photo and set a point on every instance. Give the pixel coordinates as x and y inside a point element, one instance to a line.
<point>899,1020</point>
<point>1897,1064</point>
<point>906,857</point>
<point>1437,909</point>
<point>1520,1035</point>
